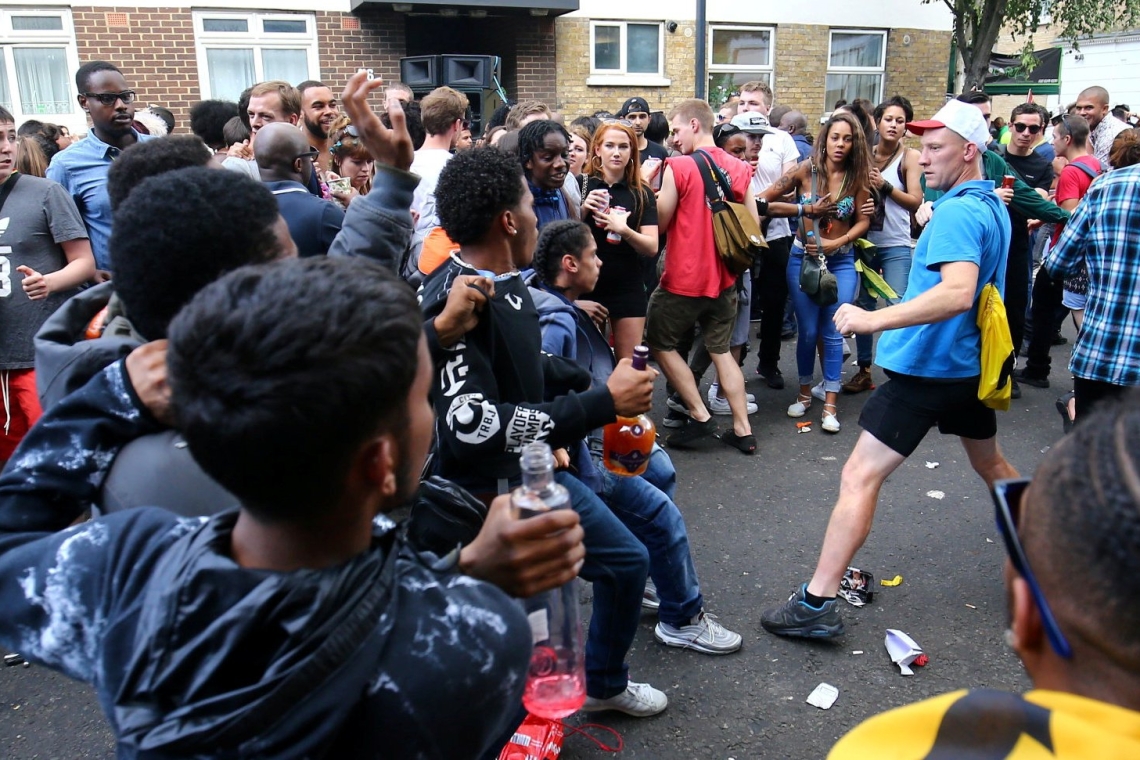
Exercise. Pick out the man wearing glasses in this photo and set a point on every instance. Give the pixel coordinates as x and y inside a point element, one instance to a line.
<point>286,163</point>
<point>1028,126</point>
<point>82,168</point>
<point>1072,581</point>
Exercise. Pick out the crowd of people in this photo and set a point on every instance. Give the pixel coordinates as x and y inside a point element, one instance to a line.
<point>227,354</point>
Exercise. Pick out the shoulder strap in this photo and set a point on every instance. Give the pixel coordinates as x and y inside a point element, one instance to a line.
<point>6,190</point>
<point>713,178</point>
<point>1083,167</point>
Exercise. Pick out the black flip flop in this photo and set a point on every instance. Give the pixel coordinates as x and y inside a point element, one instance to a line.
<point>745,444</point>
<point>692,431</point>
<point>1063,408</point>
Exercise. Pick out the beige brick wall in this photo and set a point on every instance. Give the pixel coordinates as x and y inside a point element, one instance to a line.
<point>917,70</point>
<point>575,97</point>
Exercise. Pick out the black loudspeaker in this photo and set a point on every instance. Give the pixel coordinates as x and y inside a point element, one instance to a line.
<point>481,104</point>
<point>421,72</point>
<point>475,71</point>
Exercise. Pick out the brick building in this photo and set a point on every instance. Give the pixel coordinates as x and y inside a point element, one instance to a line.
<point>578,55</point>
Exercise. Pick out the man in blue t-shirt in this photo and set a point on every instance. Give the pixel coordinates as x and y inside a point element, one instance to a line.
<point>931,351</point>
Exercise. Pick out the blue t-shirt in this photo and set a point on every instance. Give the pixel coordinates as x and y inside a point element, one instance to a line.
<point>969,224</point>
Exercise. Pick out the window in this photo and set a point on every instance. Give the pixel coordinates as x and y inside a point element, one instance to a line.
<point>236,50</point>
<point>627,53</point>
<point>37,57</point>
<point>856,60</point>
<point>738,54</point>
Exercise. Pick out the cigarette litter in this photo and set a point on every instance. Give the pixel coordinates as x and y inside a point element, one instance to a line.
<point>931,465</point>
<point>904,650</point>
<point>936,494</point>
<point>896,581</point>
<point>856,651</point>
<point>971,606</point>
<point>857,587</point>
<point>803,427</point>
<point>823,696</point>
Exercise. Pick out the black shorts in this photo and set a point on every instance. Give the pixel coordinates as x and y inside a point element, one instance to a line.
<point>901,411</point>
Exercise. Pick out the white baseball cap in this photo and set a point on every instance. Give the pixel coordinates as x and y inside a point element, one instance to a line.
<point>960,118</point>
<point>753,123</point>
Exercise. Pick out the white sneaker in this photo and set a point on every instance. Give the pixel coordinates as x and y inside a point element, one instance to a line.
<point>829,422</point>
<point>639,700</point>
<point>799,409</point>
<point>714,391</point>
<point>720,406</point>
<point>819,392</point>
<point>703,634</point>
<point>649,599</point>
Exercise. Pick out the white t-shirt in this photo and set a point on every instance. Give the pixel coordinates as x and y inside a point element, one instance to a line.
<point>428,164</point>
<point>774,153</point>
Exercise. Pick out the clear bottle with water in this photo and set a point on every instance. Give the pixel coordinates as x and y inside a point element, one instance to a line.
<point>556,680</point>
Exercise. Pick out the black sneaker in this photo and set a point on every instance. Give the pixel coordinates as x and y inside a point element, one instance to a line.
<point>1024,377</point>
<point>772,376</point>
<point>692,431</point>
<point>1059,340</point>
<point>796,618</point>
<point>675,419</point>
<point>1015,391</point>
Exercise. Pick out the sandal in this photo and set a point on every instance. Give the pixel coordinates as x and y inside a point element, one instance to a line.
<point>799,409</point>
<point>830,423</point>
<point>745,444</point>
<point>1063,408</point>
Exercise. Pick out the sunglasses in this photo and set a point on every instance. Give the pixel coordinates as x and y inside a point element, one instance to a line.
<point>110,98</point>
<point>623,122</point>
<point>310,154</point>
<point>1033,128</point>
<point>1008,497</point>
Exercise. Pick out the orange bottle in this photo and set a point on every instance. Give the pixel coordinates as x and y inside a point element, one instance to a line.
<point>628,442</point>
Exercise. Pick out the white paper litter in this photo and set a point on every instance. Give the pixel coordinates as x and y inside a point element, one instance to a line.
<point>823,696</point>
<point>936,494</point>
<point>931,465</point>
<point>902,649</point>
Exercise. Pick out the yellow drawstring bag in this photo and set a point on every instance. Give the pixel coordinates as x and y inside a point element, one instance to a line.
<point>998,358</point>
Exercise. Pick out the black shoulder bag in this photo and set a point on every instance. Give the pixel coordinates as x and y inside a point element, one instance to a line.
<point>817,282</point>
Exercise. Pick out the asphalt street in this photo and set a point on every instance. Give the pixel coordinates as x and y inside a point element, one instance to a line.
<point>755,526</point>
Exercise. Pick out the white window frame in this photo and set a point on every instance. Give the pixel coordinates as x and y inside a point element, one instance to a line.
<point>763,73</point>
<point>254,39</point>
<point>73,119</point>
<point>880,70</point>
<point>620,77</point>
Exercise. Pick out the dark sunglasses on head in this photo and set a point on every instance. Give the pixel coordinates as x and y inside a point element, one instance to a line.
<point>310,154</point>
<point>1008,496</point>
<point>1033,128</point>
<point>110,98</point>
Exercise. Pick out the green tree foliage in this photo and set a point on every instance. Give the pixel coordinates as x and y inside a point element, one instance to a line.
<point>977,24</point>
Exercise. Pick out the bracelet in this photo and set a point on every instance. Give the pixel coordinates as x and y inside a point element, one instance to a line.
<point>800,206</point>
<point>887,188</point>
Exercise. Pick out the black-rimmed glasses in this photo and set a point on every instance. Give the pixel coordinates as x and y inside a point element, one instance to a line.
<point>1008,495</point>
<point>110,98</point>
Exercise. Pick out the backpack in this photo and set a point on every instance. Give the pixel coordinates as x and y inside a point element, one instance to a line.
<point>736,234</point>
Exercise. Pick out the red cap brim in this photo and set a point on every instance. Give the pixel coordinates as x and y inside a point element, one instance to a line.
<point>918,127</point>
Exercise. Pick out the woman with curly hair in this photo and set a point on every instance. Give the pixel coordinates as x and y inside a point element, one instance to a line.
<point>622,213</point>
<point>348,159</point>
<point>832,189</point>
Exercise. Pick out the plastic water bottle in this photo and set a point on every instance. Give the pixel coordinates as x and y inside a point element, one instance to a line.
<point>556,680</point>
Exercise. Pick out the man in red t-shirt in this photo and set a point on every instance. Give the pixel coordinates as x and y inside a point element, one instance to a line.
<point>696,288</point>
<point>1070,141</point>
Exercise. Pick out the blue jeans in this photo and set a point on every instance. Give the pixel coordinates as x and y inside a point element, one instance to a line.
<point>815,321</point>
<point>894,261</point>
<point>617,564</point>
<point>645,505</point>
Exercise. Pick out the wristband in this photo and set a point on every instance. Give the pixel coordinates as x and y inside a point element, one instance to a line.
<point>888,188</point>
<point>800,206</point>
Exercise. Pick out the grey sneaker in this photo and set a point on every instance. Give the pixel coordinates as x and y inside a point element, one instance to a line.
<point>639,700</point>
<point>649,599</point>
<point>796,618</point>
<point>703,634</point>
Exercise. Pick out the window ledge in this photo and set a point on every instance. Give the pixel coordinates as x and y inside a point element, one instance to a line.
<point>628,80</point>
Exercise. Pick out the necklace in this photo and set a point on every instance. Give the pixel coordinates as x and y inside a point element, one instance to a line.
<point>880,162</point>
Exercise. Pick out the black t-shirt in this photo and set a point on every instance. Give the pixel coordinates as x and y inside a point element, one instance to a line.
<point>621,268</point>
<point>653,150</point>
<point>1035,170</point>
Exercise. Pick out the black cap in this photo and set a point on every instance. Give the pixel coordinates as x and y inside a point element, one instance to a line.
<point>633,105</point>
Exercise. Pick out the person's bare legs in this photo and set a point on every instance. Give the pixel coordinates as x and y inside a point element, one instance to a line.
<point>628,333</point>
<point>732,384</point>
<point>736,352</point>
<point>987,460</point>
<point>679,375</point>
<point>864,473</point>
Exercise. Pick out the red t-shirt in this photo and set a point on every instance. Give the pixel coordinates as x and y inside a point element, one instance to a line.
<point>692,266</point>
<point>1073,183</point>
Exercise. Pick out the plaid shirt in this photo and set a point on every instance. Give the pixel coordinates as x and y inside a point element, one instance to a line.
<point>1104,232</point>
